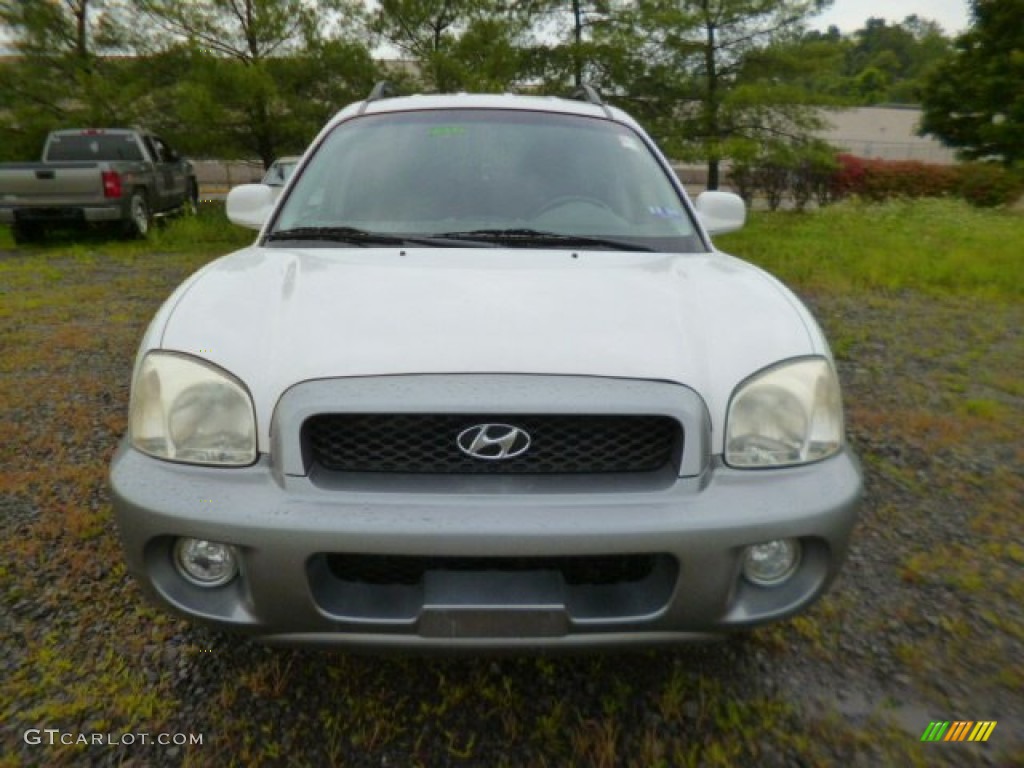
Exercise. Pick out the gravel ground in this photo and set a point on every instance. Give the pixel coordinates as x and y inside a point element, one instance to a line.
<point>926,622</point>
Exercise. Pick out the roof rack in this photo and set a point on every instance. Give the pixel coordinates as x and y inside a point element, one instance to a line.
<point>589,94</point>
<point>384,89</point>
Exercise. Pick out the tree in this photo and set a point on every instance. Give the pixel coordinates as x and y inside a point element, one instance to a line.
<point>460,44</point>
<point>975,100</point>
<point>895,58</point>
<point>576,45</point>
<point>878,63</point>
<point>710,76</point>
<point>250,77</point>
<point>62,76</point>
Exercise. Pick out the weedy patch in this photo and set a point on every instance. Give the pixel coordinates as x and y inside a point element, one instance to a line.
<point>936,246</point>
<point>923,304</point>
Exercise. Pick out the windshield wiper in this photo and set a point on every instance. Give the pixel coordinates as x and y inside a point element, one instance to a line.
<point>335,235</point>
<point>535,237</point>
<point>363,237</point>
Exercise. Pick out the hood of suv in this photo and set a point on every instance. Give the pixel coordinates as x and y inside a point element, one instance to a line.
<point>275,317</point>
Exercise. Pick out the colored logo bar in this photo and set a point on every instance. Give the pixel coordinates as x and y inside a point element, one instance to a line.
<point>959,730</point>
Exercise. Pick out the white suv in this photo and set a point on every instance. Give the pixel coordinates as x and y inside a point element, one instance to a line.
<point>484,381</point>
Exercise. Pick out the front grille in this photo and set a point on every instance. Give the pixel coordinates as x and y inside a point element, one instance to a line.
<point>427,443</point>
<point>408,570</point>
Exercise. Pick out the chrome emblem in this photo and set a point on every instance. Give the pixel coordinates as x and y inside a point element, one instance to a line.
<point>493,442</point>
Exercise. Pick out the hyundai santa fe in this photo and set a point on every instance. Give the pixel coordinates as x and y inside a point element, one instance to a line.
<point>484,381</point>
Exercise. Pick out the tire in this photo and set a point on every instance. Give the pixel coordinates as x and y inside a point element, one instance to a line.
<point>25,233</point>
<point>191,205</point>
<point>139,218</point>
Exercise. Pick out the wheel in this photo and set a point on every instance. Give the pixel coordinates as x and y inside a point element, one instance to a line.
<point>562,200</point>
<point>25,233</point>
<point>139,218</point>
<point>191,205</point>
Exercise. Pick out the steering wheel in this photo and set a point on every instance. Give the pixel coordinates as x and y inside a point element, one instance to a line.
<point>563,200</point>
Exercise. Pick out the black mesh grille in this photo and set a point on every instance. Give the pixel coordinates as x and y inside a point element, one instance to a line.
<point>406,570</point>
<point>427,443</point>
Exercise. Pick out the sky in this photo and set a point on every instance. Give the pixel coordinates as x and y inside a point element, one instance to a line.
<point>850,15</point>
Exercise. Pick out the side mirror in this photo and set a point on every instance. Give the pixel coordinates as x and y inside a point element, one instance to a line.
<point>721,212</point>
<point>249,205</point>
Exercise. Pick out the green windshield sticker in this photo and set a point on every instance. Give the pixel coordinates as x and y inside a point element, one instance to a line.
<point>443,131</point>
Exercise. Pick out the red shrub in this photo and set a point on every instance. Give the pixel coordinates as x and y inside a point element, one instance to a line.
<point>883,179</point>
<point>849,176</point>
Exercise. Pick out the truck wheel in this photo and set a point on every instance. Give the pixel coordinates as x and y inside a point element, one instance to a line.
<point>191,206</point>
<point>24,233</point>
<point>138,216</point>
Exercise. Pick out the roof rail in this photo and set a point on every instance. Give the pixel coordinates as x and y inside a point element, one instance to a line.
<point>589,94</point>
<point>384,89</point>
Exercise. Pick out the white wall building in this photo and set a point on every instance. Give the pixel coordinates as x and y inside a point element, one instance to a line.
<point>886,133</point>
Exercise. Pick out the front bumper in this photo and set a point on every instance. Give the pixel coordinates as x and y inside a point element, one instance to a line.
<point>290,535</point>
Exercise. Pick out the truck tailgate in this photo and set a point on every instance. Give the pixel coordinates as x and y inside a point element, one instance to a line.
<point>50,184</point>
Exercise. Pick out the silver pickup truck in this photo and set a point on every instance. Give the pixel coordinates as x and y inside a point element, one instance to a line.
<point>96,175</point>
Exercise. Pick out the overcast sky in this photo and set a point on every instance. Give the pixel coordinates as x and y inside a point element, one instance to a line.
<point>850,15</point>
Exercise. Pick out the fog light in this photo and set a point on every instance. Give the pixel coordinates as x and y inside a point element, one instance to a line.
<point>205,563</point>
<point>772,562</point>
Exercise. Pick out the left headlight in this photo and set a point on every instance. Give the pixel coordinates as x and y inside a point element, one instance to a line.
<point>788,414</point>
<point>185,409</point>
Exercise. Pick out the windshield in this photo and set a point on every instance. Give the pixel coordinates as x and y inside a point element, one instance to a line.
<point>489,173</point>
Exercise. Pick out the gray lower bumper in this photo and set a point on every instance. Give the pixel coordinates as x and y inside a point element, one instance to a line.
<point>62,214</point>
<point>287,531</point>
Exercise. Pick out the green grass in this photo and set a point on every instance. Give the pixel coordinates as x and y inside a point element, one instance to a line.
<point>935,246</point>
<point>208,234</point>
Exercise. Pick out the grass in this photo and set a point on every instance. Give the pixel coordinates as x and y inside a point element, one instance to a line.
<point>931,367</point>
<point>206,234</point>
<point>933,246</point>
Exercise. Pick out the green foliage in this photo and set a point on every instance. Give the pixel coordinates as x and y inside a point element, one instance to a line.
<point>988,185</point>
<point>474,45</point>
<point>714,80</point>
<point>257,83</point>
<point>897,56</point>
<point>880,63</point>
<point>708,78</point>
<point>800,170</point>
<point>62,76</point>
<point>975,100</point>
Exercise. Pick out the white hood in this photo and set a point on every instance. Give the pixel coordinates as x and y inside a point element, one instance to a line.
<point>275,317</point>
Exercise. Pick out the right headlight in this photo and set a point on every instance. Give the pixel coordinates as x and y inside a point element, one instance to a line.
<point>188,410</point>
<point>788,414</point>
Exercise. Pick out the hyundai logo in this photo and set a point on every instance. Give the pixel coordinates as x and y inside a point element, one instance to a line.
<point>493,442</point>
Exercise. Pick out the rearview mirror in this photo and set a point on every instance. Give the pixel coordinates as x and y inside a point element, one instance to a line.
<point>721,212</point>
<point>249,205</point>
